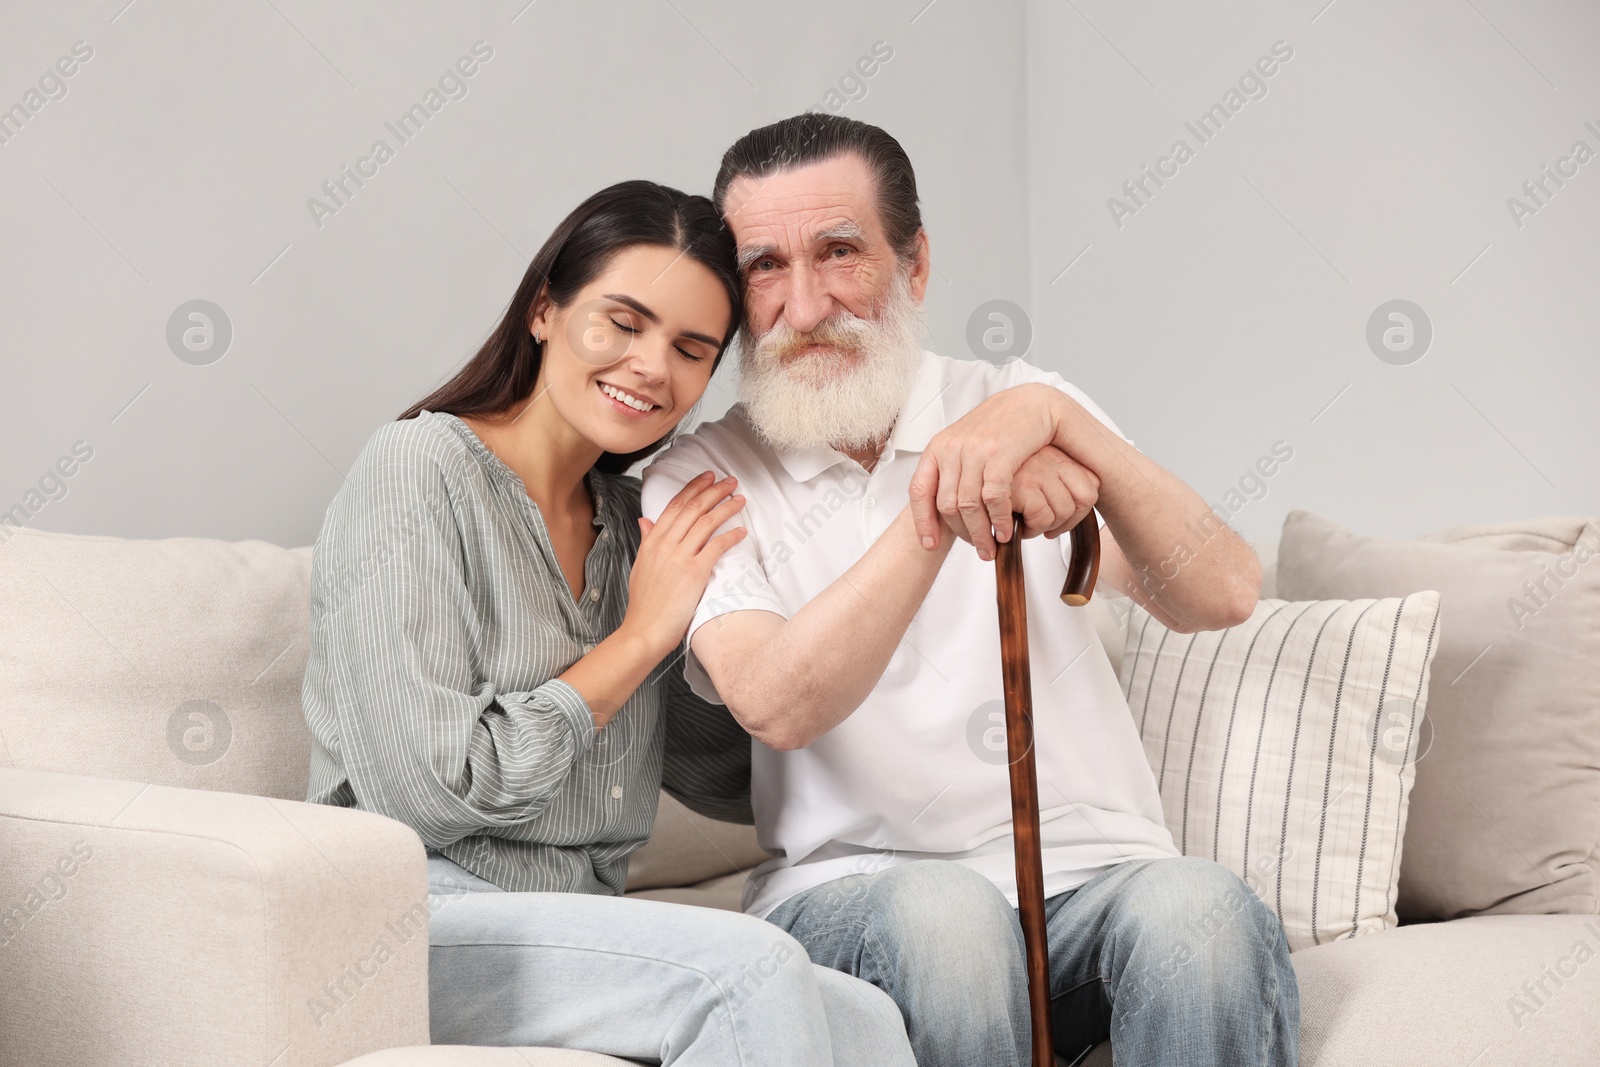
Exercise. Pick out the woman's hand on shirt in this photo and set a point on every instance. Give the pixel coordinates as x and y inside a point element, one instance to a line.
<point>676,554</point>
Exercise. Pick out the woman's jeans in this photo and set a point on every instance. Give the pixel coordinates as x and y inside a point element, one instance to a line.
<point>1176,960</point>
<point>641,980</point>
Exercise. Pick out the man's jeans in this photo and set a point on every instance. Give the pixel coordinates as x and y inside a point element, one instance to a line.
<point>1175,959</point>
<point>641,980</point>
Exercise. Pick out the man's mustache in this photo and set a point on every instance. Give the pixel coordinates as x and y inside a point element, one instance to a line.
<point>848,334</point>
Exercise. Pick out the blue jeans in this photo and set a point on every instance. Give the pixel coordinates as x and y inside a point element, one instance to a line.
<point>640,980</point>
<point>1175,960</point>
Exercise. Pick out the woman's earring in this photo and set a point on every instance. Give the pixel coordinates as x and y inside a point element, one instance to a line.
<point>536,339</point>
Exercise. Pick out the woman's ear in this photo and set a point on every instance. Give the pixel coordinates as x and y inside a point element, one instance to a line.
<point>541,316</point>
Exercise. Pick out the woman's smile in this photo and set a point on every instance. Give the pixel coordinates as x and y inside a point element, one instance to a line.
<point>629,405</point>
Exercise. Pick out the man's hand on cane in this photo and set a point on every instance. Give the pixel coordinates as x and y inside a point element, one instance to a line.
<point>995,460</point>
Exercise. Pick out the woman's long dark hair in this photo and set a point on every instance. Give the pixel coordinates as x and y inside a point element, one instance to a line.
<point>504,371</point>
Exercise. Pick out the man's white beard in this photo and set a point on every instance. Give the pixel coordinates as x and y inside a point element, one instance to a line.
<point>847,398</point>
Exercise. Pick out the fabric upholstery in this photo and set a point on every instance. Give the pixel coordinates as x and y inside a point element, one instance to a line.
<point>200,921</point>
<point>725,892</point>
<point>176,662</point>
<point>1283,749</point>
<point>686,847</point>
<point>204,928</point>
<point>1450,994</point>
<point>1505,816</point>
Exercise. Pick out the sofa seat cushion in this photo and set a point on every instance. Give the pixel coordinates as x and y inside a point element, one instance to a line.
<point>1455,993</point>
<point>1450,994</point>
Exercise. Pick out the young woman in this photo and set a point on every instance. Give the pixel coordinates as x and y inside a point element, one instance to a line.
<point>495,633</point>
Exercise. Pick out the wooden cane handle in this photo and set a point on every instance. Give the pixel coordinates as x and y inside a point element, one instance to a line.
<point>1084,566</point>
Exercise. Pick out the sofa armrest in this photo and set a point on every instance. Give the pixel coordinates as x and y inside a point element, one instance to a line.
<point>149,924</point>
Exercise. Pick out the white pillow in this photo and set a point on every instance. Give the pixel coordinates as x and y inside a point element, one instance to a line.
<point>1285,748</point>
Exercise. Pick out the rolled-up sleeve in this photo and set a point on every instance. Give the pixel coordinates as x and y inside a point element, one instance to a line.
<point>390,678</point>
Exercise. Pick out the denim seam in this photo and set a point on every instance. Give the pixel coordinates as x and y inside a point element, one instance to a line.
<point>1266,1031</point>
<point>870,943</point>
<point>733,1029</point>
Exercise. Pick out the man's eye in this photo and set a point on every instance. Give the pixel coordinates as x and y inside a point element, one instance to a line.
<point>764,264</point>
<point>624,327</point>
<point>840,251</point>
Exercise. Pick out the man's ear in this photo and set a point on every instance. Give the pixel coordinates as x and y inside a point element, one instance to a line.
<point>921,267</point>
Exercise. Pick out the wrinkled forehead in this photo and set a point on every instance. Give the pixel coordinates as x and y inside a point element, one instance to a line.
<point>798,208</point>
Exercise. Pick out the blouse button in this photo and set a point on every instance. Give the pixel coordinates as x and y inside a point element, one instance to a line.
<point>594,594</point>
<point>604,534</point>
<point>616,792</point>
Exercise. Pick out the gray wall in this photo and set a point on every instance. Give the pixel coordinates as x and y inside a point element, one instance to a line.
<point>178,165</point>
<point>1230,310</point>
<point>1223,316</point>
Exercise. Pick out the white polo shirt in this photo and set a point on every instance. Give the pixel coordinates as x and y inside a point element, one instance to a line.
<point>918,771</point>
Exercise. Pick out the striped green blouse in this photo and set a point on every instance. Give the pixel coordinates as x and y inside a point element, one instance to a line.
<point>440,618</point>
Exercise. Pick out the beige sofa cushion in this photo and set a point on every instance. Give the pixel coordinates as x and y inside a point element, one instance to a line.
<point>685,849</point>
<point>1505,814</point>
<point>175,662</point>
<point>1555,534</point>
<point>1480,992</point>
<point>1283,749</point>
<point>725,892</point>
<point>1453,994</point>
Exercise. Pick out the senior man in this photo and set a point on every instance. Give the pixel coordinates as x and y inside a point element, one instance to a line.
<point>857,643</point>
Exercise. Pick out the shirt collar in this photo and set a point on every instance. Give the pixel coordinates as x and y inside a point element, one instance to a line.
<point>921,416</point>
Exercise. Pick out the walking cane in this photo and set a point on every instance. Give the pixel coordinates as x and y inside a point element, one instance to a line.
<point>1081,573</point>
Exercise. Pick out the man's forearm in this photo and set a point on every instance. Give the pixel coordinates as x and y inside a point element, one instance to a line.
<point>792,682</point>
<point>1196,570</point>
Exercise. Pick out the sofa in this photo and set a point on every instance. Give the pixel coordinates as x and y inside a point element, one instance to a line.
<point>169,898</point>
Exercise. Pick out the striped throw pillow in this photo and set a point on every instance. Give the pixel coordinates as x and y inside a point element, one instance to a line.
<point>1285,748</point>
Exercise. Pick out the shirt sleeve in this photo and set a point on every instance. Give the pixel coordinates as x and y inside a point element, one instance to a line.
<point>738,580</point>
<point>390,672</point>
<point>707,753</point>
